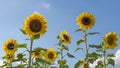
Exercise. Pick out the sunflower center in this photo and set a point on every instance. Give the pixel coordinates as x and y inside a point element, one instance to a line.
<point>10,46</point>
<point>50,55</point>
<point>36,53</point>
<point>110,40</point>
<point>86,21</point>
<point>35,25</point>
<point>66,37</point>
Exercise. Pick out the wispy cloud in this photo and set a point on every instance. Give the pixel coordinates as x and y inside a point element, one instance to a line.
<point>46,5</point>
<point>116,58</point>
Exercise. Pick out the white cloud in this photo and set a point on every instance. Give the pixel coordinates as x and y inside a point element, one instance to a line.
<point>117,61</point>
<point>1,62</point>
<point>46,5</point>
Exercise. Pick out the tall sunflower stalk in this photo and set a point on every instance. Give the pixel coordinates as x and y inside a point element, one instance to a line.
<point>34,26</point>
<point>85,22</point>
<point>64,40</point>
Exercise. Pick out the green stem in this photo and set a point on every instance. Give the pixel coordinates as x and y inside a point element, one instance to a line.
<point>61,50</point>
<point>30,54</point>
<point>86,47</point>
<point>104,54</point>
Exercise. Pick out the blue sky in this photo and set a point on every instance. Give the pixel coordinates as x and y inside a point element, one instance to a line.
<point>60,15</point>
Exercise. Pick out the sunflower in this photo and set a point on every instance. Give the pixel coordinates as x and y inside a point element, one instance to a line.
<point>37,53</point>
<point>84,64</point>
<point>85,21</point>
<point>65,37</point>
<point>35,24</point>
<point>110,40</point>
<point>9,57</point>
<point>50,55</point>
<point>10,46</point>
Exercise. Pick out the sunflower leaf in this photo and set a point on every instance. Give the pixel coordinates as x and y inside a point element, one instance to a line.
<point>24,45</point>
<point>80,41</point>
<point>23,31</point>
<point>42,60</point>
<point>111,61</point>
<point>78,49</point>
<point>95,46</point>
<point>78,30</point>
<point>77,65</point>
<point>110,55</point>
<point>35,37</point>
<point>65,47</point>
<point>70,55</point>
<point>93,33</point>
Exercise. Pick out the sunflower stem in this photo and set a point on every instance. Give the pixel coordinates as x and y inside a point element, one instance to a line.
<point>104,54</point>
<point>86,47</point>
<point>30,54</point>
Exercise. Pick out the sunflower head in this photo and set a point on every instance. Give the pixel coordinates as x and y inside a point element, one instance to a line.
<point>84,64</point>
<point>9,57</point>
<point>110,40</point>
<point>37,53</point>
<point>35,24</point>
<point>51,55</point>
<point>65,37</point>
<point>85,20</point>
<point>10,46</point>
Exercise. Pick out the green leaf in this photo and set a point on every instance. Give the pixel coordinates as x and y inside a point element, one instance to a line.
<point>93,57</point>
<point>35,37</point>
<point>95,46</point>
<point>65,47</point>
<point>58,37</point>
<point>111,61</point>
<point>70,55</point>
<point>78,49</point>
<point>99,64</point>
<point>80,41</point>
<point>78,64</point>
<point>99,50</point>
<point>24,45</point>
<point>78,30</point>
<point>110,55</point>
<point>23,31</point>
<point>42,60</point>
<point>93,33</point>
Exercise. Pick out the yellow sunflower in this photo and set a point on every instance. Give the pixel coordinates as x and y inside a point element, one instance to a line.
<point>85,20</point>
<point>35,24</point>
<point>84,64</point>
<point>65,37</point>
<point>37,53</point>
<point>9,57</point>
<point>110,40</point>
<point>50,55</point>
<point>10,46</point>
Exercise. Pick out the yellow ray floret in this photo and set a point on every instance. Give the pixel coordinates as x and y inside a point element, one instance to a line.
<point>35,24</point>
<point>9,57</point>
<point>65,37</point>
<point>37,53</point>
<point>85,21</point>
<point>110,40</point>
<point>10,46</point>
<point>51,55</point>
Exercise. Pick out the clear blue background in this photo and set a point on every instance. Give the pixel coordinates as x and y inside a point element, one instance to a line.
<point>60,15</point>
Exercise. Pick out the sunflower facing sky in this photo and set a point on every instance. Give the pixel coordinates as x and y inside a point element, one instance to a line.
<point>65,37</point>
<point>10,46</point>
<point>37,53</point>
<point>84,64</point>
<point>110,40</point>
<point>35,24</point>
<point>51,55</point>
<point>85,21</point>
<point>9,57</point>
